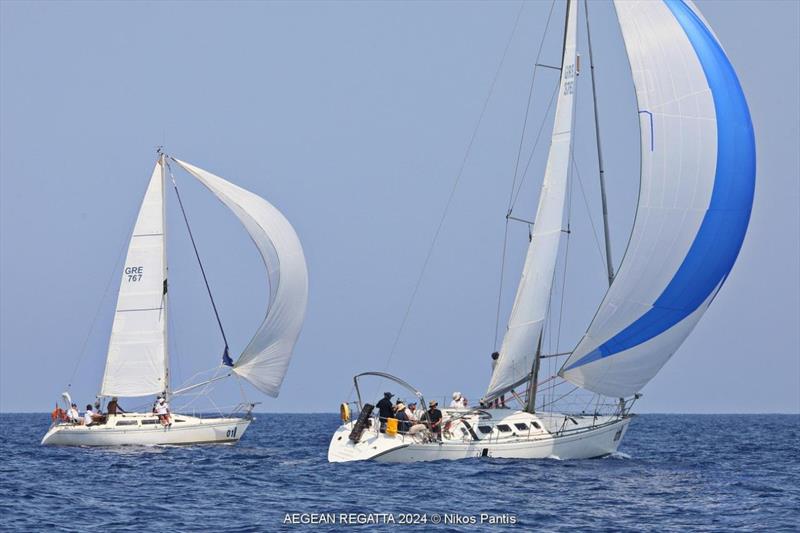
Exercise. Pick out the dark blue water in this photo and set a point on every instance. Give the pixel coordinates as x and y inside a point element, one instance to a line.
<point>675,473</point>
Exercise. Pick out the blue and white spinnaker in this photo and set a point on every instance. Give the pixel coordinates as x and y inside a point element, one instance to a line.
<point>697,183</point>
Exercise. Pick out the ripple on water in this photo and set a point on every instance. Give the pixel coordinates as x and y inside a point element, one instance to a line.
<point>673,473</point>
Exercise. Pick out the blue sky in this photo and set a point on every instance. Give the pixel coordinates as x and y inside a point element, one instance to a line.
<point>354,119</point>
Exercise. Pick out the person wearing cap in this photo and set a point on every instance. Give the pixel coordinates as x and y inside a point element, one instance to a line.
<point>403,425</point>
<point>162,410</point>
<point>114,407</point>
<point>385,409</point>
<point>73,415</point>
<point>433,417</point>
<point>456,403</point>
<point>411,412</point>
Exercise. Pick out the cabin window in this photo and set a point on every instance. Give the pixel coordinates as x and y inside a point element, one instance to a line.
<point>146,422</point>
<point>485,429</point>
<point>180,420</point>
<point>504,428</point>
<point>522,427</point>
<point>536,425</point>
<point>127,423</point>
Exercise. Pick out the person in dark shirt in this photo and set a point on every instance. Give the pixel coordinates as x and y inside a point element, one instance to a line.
<point>385,409</point>
<point>113,407</point>
<point>403,424</point>
<point>434,417</point>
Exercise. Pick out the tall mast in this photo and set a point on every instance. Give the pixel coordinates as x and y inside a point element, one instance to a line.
<point>533,383</point>
<point>162,162</point>
<point>606,236</point>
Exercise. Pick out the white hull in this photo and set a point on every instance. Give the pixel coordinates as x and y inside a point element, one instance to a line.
<point>144,429</point>
<point>557,436</point>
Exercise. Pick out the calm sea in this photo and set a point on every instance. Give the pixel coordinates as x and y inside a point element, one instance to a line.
<point>674,473</point>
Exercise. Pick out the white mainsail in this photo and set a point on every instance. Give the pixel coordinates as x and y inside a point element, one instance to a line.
<point>520,342</point>
<point>266,358</point>
<point>137,363</point>
<point>697,183</point>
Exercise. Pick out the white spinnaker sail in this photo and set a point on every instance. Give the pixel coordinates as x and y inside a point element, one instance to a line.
<point>520,342</point>
<point>697,181</point>
<point>266,358</point>
<point>137,364</point>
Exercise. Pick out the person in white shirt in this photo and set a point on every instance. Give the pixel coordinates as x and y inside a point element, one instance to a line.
<point>456,403</point>
<point>88,416</point>
<point>410,409</point>
<point>73,415</point>
<point>162,410</point>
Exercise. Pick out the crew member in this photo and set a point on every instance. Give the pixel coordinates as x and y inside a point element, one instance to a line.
<point>403,425</point>
<point>162,410</point>
<point>114,407</point>
<point>434,418</point>
<point>88,416</point>
<point>456,403</point>
<point>73,415</point>
<point>385,409</point>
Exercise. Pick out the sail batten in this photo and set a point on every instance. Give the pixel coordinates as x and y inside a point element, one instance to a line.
<point>265,359</point>
<point>518,349</point>
<point>697,183</point>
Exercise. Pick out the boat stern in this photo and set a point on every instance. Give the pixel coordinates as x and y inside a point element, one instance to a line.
<point>371,445</point>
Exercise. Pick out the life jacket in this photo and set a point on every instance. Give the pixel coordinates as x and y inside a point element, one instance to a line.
<point>58,414</point>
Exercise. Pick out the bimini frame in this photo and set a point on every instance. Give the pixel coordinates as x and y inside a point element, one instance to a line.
<point>390,377</point>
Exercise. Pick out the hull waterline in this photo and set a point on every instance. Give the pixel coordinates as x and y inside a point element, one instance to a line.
<point>145,430</point>
<point>558,437</point>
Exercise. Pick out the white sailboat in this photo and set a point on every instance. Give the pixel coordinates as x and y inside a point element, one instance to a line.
<point>696,193</point>
<point>137,363</point>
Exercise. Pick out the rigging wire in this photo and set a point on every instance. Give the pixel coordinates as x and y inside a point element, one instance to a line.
<point>225,357</point>
<point>528,106</point>
<point>459,174</point>
<point>516,174</point>
<point>589,212</point>
<point>111,277</point>
<point>535,143</point>
<point>565,261</point>
<point>570,184</point>
<point>173,339</point>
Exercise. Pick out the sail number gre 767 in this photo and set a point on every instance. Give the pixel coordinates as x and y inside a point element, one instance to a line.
<point>134,273</point>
